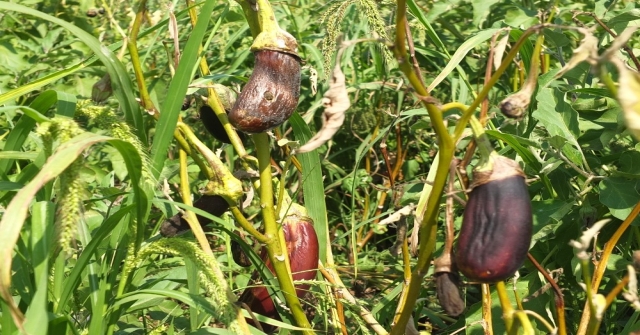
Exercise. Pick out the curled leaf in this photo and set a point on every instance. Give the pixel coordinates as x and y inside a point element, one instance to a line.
<point>335,102</point>
<point>587,51</point>
<point>395,217</point>
<point>629,96</point>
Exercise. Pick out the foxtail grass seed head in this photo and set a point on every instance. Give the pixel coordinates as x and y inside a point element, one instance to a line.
<point>104,117</point>
<point>69,195</point>
<point>210,276</point>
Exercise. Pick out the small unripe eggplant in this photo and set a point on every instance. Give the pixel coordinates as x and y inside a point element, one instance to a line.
<point>302,247</point>
<point>213,204</point>
<point>497,224</point>
<point>271,95</point>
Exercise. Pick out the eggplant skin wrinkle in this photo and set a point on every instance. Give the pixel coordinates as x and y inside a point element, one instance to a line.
<point>496,230</point>
<point>271,95</point>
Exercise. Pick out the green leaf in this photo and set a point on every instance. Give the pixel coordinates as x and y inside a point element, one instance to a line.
<point>619,195</point>
<point>122,86</point>
<point>42,226</point>
<point>15,140</point>
<point>461,53</point>
<point>433,35</point>
<point>170,109</point>
<point>10,186</point>
<point>313,186</point>
<point>16,213</point>
<point>481,9</point>
<point>557,116</point>
<point>547,216</point>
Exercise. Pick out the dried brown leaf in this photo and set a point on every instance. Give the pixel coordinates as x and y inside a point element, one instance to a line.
<point>335,102</point>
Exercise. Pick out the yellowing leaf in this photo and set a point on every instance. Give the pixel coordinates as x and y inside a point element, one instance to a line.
<point>629,97</point>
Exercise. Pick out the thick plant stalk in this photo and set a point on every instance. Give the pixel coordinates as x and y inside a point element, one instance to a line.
<point>486,310</point>
<point>275,244</point>
<point>428,225</point>
<point>507,309</point>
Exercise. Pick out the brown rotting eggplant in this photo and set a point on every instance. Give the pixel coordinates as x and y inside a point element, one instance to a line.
<point>497,224</point>
<point>271,95</point>
<point>302,246</point>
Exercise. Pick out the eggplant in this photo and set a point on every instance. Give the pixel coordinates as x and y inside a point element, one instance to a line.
<point>303,249</point>
<point>213,204</point>
<point>448,293</point>
<point>271,95</point>
<point>497,224</point>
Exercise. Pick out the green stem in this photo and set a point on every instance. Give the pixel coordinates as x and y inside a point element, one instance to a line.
<point>607,81</point>
<point>447,147</point>
<point>482,141</point>
<point>246,225</point>
<point>527,328</point>
<point>147,104</point>
<point>594,321</point>
<point>462,123</point>
<point>266,17</point>
<point>507,309</point>
<point>275,245</point>
<point>215,103</point>
<point>251,16</point>
<point>191,218</point>
<point>184,145</point>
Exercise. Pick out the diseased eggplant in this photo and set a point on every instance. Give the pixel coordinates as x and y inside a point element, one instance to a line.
<point>302,247</point>
<point>271,95</point>
<point>448,292</point>
<point>213,204</point>
<point>212,124</point>
<point>497,224</point>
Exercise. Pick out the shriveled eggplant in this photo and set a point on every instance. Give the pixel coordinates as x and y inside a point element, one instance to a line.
<point>448,292</point>
<point>302,247</point>
<point>214,204</point>
<point>497,224</point>
<point>271,95</point>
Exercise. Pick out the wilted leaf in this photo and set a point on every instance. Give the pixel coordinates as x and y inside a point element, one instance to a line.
<point>629,97</point>
<point>335,102</point>
<point>587,51</point>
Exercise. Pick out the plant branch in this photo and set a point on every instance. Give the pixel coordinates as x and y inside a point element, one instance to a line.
<point>147,104</point>
<point>507,309</point>
<point>213,100</point>
<point>602,264</point>
<point>462,123</point>
<point>275,244</point>
<point>486,310</point>
<point>558,297</point>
